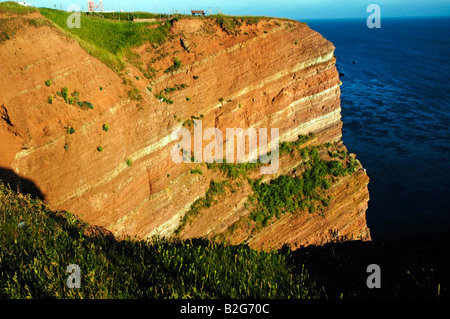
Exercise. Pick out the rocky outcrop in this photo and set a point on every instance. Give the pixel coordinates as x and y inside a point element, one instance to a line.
<point>273,74</point>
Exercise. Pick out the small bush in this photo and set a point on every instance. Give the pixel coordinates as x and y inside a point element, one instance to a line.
<point>175,66</point>
<point>65,93</point>
<point>105,127</point>
<point>196,171</point>
<point>70,130</point>
<point>129,162</point>
<point>48,82</point>
<point>162,98</point>
<point>99,148</point>
<point>84,105</point>
<point>72,100</point>
<point>326,202</point>
<point>4,36</point>
<point>135,95</point>
<point>150,73</point>
<point>190,122</point>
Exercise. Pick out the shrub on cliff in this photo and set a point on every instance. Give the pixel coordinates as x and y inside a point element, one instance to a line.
<point>70,129</point>
<point>160,96</point>
<point>85,105</point>
<point>65,94</point>
<point>134,94</point>
<point>196,171</point>
<point>175,66</point>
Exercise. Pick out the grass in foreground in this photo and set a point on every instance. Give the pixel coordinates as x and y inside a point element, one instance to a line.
<point>38,245</point>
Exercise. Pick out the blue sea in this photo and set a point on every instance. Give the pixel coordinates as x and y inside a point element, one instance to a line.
<point>396,113</point>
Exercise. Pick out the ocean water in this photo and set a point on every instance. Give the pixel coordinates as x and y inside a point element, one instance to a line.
<point>396,113</point>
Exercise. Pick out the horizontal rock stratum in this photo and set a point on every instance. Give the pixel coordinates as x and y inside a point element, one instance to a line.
<point>273,74</point>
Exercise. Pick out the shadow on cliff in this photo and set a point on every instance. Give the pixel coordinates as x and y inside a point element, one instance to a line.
<point>410,268</point>
<point>21,184</point>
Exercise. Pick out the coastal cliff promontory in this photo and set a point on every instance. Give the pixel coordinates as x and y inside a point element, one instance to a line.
<point>97,142</point>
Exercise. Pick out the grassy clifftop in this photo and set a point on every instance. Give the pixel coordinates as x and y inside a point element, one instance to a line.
<point>13,7</point>
<point>38,245</point>
<point>110,36</point>
<point>106,39</point>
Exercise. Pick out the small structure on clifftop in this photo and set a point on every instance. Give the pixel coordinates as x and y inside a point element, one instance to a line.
<point>92,7</point>
<point>198,12</point>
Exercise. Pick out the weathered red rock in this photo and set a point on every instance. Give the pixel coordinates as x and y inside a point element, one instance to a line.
<point>276,74</point>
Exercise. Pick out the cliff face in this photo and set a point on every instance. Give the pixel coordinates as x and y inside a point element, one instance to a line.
<point>273,74</point>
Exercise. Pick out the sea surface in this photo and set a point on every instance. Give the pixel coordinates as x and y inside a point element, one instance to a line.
<point>395,100</point>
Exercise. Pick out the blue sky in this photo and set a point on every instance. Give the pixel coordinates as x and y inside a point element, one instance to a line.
<point>294,9</point>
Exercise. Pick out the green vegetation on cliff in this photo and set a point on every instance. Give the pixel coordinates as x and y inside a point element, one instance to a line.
<point>231,23</point>
<point>233,170</point>
<point>38,245</point>
<point>106,39</point>
<point>291,194</point>
<point>303,189</point>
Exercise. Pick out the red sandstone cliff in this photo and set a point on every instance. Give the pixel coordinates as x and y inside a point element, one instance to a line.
<point>277,73</point>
